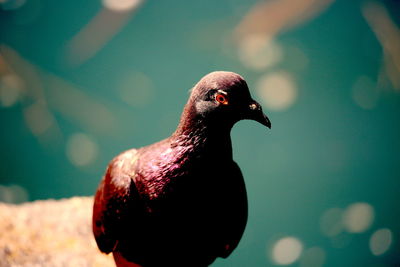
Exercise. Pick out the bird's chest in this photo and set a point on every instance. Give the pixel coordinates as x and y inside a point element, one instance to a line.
<point>200,188</point>
<point>198,204</point>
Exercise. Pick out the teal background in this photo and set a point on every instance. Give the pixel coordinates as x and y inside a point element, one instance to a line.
<point>324,151</point>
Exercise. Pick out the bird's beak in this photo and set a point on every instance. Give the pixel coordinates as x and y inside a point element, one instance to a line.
<point>255,113</point>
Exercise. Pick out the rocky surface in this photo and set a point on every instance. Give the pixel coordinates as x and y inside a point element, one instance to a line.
<point>49,233</point>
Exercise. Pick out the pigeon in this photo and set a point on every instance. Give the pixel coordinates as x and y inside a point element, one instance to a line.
<point>181,201</point>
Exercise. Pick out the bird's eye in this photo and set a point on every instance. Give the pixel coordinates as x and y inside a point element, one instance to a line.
<point>221,98</point>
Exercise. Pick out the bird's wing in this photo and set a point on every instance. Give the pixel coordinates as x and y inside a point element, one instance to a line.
<point>236,210</point>
<point>114,201</point>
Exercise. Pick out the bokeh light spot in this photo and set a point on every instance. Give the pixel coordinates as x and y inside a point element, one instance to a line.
<point>13,194</point>
<point>11,4</point>
<point>136,89</point>
<point>365,93</point>
<point>38,118</point>
<point>81,149</point>
<point>313,257</point>
<point>358,217</point>
<point>121,5</point>
<point>380,241</point>
<point>286,250</point>
<point>331,222</point>
<point>11,87</point>
<point>277,90</point>
<point>258,52</point>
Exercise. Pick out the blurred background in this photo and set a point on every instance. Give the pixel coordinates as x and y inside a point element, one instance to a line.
<point>81,81</point>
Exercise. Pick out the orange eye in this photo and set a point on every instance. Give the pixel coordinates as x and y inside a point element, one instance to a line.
<point>221,98</point>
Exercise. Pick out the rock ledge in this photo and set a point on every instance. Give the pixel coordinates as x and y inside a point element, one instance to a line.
<point>49,233</point>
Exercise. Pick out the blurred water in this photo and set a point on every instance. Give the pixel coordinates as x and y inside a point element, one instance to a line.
<point>82,81</point>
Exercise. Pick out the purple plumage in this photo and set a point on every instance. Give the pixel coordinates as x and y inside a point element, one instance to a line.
<point>181,201</point>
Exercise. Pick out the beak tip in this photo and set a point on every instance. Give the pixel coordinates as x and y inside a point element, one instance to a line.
<point>258,115</point>
<point>268,123</point>
<point>264,120</point>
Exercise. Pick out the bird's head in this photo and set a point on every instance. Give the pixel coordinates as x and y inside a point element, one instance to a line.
<point>223,97</point>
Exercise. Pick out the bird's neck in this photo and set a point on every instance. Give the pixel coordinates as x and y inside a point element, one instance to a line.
<point>200,134</point>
